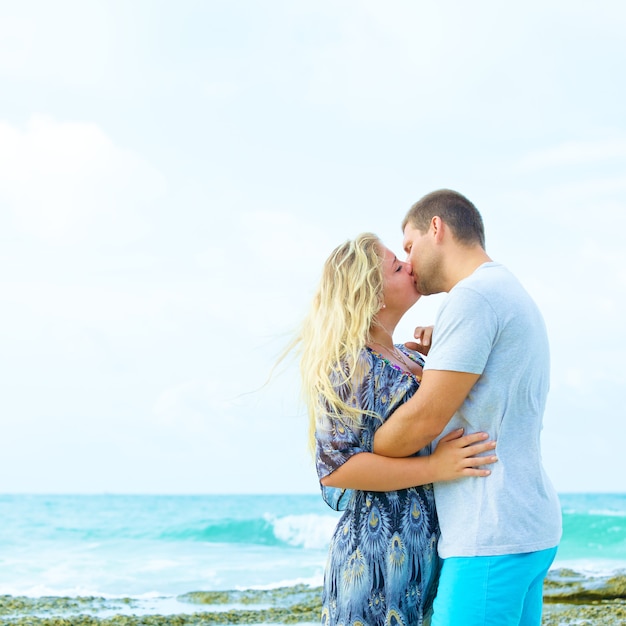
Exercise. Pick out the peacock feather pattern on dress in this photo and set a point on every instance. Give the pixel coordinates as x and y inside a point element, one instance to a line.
<point>382,566</point>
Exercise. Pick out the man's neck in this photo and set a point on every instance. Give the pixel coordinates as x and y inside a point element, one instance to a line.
<point>463,263</point>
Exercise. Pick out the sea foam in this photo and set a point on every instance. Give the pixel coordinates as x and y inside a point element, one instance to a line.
<point>311,532</point>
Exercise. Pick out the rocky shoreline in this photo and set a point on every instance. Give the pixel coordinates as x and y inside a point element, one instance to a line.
<point>571,598</point>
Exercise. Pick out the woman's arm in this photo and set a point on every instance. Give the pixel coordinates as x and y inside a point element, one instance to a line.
<point>455,457</point>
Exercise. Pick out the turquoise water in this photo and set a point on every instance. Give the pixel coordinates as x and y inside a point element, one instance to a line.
<point>594,531</point>
<point>162,546</point>
<point>142,546</point>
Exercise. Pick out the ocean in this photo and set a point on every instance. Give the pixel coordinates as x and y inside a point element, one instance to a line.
<point>155,549</point>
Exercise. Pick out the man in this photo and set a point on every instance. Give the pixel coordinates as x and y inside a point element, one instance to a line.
<point>487,370</point>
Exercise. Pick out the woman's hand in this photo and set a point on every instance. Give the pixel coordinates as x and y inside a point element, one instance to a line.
<point>456,455</point>
<point>423,335</point>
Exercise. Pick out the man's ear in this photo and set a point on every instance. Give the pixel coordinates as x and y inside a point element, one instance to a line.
<point>437,227</point>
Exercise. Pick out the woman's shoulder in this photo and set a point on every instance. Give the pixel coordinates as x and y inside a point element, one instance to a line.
<point>365,364</point>
<point>364,358</point>
<point>352,372</point>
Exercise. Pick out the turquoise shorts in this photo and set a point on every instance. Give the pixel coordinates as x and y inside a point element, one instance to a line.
<point>492,590</point>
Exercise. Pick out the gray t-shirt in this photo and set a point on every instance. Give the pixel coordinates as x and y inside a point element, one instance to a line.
<point>489,325</point>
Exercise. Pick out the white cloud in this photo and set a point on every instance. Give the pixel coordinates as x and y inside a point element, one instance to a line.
<point>407,63</point>
<point>193,405</point>
<point>64,181</point>
<point>98,304</point>
<point>68,42</point>
<point>262,267</point>
<point>576,153</point>
<point>219,91</point>
<point>286,131</point>
<point>17,39</point>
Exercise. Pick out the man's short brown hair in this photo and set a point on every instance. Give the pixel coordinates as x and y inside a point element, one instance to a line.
<point>459,214</point>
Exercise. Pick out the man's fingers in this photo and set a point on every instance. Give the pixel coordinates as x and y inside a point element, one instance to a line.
<point>423,334</point>
<point>417,347</point>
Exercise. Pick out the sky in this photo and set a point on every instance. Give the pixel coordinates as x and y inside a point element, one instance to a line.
<point>174,174</point>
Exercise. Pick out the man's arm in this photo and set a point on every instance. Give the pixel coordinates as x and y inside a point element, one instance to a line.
<point>455,457</point>
<point>420,420</point>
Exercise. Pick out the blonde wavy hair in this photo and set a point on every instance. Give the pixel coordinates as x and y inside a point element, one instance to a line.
<point>337,327</point>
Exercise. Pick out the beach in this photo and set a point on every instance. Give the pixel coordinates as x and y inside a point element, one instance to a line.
<point>601,614</point>
<point>574,598</point>
<point>570,598</point>
<point>193,560</point>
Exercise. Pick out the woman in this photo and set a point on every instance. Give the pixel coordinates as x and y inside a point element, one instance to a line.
<point>382,566</point>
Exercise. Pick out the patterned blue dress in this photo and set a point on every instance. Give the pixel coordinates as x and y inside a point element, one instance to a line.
<point>382,564</point>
